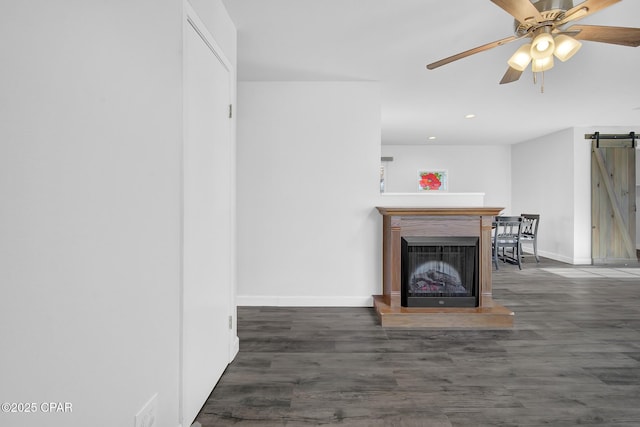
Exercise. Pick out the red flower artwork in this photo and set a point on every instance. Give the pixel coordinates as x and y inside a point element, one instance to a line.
<point>430,181</point>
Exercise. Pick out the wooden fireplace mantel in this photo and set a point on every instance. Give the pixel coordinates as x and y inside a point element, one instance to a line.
<point>401,222</point>
<point>414,211</point>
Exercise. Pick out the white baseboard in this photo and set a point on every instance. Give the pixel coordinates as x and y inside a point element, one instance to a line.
<point>582,261</point>
<point>563,258</point>
<point>304,301</point>
<point>235,348</point>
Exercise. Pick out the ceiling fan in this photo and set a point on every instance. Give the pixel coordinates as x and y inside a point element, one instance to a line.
<point>543,23</point>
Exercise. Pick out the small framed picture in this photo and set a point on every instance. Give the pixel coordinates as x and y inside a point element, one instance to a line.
<point>433,180</point>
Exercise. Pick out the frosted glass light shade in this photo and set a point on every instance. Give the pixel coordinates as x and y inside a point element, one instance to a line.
<point>521,58</point>
<point>566,47</point>
<point>542,46</point>
<point>543,64</point>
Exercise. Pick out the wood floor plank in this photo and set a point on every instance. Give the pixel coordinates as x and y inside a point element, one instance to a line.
<point>572,358</point>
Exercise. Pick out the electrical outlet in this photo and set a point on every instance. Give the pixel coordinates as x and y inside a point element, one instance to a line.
<point>148,414</point>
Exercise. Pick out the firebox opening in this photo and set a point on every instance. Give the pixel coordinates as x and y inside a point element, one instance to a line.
<point>440,271</point>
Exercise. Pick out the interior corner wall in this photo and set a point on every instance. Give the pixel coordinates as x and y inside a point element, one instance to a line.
<point>543,182</point>
<point>552,176</point>
<point>461,162</point>
<point>308,183</point>
<point>581,197</point>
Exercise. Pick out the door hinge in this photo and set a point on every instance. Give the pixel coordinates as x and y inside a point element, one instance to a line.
<point>230,322</point>
<point>230,110</point>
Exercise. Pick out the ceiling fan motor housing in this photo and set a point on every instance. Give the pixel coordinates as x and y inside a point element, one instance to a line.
<point>551,10</point>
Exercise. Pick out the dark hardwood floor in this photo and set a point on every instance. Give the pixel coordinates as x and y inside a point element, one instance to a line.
<point>573,358</point>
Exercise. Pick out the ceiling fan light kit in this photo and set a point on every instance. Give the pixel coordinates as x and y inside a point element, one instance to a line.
<point>543,22</point>
<point>566,47</point>
<point>521,59</point>
<point>543,64</point>
<point>543,44</point>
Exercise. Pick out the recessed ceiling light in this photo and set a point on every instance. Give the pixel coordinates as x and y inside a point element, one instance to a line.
<point>432,137</point>
<point>469,116</point>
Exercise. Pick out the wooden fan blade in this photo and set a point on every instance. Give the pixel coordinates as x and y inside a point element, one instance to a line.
<point>510,76</point>
<point>522,10</point>
<point>591,6</point>
<point>615,35</point>
<point>471,52</point>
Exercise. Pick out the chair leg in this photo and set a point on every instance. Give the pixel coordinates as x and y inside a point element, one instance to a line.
<point>518,255</point>
<point>535,249</point>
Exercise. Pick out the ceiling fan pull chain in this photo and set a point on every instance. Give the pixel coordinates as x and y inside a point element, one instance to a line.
<point>542,85</point>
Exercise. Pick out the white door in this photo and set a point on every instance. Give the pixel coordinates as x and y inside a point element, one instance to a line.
<point>207,230</point>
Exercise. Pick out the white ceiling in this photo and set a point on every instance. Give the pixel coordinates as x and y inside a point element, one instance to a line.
<point>391,41</point>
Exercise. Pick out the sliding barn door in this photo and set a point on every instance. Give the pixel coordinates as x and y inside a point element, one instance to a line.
<point>613,201</point>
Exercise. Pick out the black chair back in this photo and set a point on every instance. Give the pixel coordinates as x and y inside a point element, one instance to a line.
<point>507,234</point>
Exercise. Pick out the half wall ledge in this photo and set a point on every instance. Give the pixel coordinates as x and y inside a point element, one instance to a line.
<point>432,199</point>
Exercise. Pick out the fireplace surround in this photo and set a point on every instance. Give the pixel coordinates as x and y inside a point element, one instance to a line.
<point>411,223</point>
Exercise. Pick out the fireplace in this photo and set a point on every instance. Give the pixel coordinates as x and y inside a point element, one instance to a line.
<point>440,271</point>
<point>421,228</point>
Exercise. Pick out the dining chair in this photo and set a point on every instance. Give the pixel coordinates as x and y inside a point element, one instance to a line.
<point>530,232</point>
<point>506,240</point>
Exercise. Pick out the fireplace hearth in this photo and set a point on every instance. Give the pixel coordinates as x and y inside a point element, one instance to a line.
<point>439,271</point>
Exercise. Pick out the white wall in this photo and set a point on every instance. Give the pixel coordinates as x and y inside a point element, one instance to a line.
<point>463,165</point>
<point>581,197</point>
<point>308,168</point>
<point>543,183</point>
<point>90,183</point>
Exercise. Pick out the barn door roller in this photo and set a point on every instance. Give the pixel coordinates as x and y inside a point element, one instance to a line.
<point>597,137</point>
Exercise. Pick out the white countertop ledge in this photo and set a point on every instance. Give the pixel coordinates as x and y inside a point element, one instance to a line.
<point>433,199</point>
<point>434,193</point>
